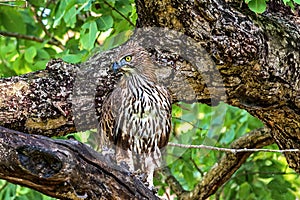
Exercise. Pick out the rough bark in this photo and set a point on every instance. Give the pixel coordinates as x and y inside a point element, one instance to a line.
<point>257,57</point>
<point>39,102</point>
<point>65,169</point>
<point>254,65</point>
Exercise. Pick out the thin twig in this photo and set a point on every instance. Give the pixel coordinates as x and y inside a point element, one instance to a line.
<point>6,3</point>
<point>38,18</point>
<point>190,123</point>
<point>172,181</point>
<point>196,166</point>
<point>264,173</point>
<point>3,186</point>
<point>45,7</point>
<point>190,146</point>
<point>113,8</point>
<point>29,37</point>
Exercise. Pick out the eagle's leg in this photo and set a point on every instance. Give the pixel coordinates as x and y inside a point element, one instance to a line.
<point>152,161</point>
<point>124,157</point>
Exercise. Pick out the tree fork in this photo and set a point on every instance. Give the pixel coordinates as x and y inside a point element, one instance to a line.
<point>257,56</point>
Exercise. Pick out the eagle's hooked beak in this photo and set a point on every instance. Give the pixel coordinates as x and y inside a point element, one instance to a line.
<point>122,64</point>
<point>116,66</point>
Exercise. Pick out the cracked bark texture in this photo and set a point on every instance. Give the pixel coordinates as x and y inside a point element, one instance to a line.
<point>253,64</point>
<point>65,169</point>
<point>257,56</point>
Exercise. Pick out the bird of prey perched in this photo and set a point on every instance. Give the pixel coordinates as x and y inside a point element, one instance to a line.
<point>136,116</point>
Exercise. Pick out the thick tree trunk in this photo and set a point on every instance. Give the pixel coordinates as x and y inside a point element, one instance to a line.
<point>65,169</point>
<point>257,68</point>
<point>256,55</point>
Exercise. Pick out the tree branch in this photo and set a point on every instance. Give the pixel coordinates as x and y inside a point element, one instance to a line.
<point>33,38</point>
<point>223,170</point>
<point>121,14</point>
<point>30,103</point>
<point>230,150</point>
<point>254,65</point>
<point>65,169</point>
<point>257,57</point>
<point>39,19</point>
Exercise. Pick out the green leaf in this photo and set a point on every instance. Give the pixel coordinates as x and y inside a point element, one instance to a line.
<point>70,17</point>
<point>228,136</point>
<point>42,54</point>
<point>39,65</point>
<point>133,16</point>
<point>70,4</point>
<point>188,174</point>
<point>29,54</point>
<point>297,1</point>
<point>244,191</point>
<point>122,26</point>
<point>111,2</point>
<point>116,40</point>
<point>85,6</point>
<point>21,66</point>
<point>257,6</point>
<point>88,35</point>
<point>122,7</point>
<point>72,45</point>
<point>291,4</point>
<point>72,12</point>
<point>39,3</point>
<point>6,49</point>
<point>51,52</point>
<point>72,58</point>
<point>105,22</point>
<point>12,20</point>
<point>60,13</point>
<point>286,1</point>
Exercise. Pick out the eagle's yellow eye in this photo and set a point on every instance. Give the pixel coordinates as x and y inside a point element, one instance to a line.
<point>128,58</point>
